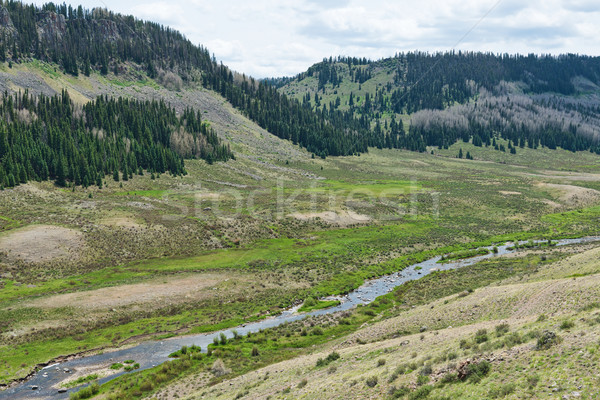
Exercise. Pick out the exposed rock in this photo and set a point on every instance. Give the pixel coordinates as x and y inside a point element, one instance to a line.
<point>108,29</point>
<point>6,24</point>
<point>51,27</point>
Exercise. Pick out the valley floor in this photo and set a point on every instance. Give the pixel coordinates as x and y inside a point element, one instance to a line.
<point>88,269</point>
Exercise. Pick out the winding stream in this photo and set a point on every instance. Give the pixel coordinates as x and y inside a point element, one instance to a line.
<point>44,383</point>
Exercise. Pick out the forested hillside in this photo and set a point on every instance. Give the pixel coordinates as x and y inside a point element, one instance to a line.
<point>528,100</point>
<point>45,138</point>
<point>341,106</point>
<point>98,41</point>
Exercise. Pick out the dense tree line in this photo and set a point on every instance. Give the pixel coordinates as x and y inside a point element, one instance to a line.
<point>82,41</point>
<point>49,138</point>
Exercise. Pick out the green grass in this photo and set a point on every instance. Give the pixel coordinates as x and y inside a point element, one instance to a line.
<point>319,305</point>
<point>80,381</point>
<point>7,223</point>
<point>460,255</point>
<point>156,194</point>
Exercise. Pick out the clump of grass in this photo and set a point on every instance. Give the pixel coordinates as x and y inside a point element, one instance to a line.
<point>219,369</point>
<point>372,381</point>
<point>502,391</point>
<point>567,324</point>
<point>80,381</point>
<point>86,392</point>
<point>532,381</point>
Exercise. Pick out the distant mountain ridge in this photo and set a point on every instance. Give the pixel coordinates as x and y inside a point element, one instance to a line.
<point>457,95</point>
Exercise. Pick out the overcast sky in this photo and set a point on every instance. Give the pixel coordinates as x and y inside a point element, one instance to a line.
<point>266,38</point>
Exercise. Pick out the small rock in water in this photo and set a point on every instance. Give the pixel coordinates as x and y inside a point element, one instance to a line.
<point>62,390</point>
<point>34,387</point>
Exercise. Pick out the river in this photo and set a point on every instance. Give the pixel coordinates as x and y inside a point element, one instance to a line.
<point>43,384</point>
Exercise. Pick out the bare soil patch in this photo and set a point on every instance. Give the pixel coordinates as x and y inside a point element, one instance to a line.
<point>342,218</point>
<point>40,243</point>
<point>121,222</point>
<point>509,193</point>
<point>191,287</point>
<point>571,195</point>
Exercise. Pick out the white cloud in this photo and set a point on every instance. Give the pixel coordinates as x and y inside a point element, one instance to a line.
<point>276,37</point>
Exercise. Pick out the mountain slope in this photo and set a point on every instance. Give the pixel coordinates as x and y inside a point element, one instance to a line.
<point>445,97</point>
<point>83,41</point>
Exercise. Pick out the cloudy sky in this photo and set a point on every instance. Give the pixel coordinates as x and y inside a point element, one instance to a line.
<point>284,37</point>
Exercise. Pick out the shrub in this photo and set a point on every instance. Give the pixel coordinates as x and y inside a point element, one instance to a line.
<point>302,383</point>
<point>422,379</point>
<point>329,359</point>
<point>116,366</point>
<point>426,370</point>
<point>381,362</point>
<point>481,336</point>
<point>372,381</point>
<point>317,331</point>
<point>223,338</point>
<point>218,368</point>
<point>477,371</point>
<point>402,391</point>
<point>146,386</point>
<point>512,340</point>
<point>546,340</point>
<point>86,392</point>
<point>502,329</point>
<point>309,302</point>
<point>421,393</point>
<point>450,377</point>
<point>255,352</point>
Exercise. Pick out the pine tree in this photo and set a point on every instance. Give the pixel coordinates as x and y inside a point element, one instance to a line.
<point>61,172</point>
